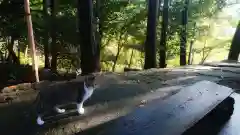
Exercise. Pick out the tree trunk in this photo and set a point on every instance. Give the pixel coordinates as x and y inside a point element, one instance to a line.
<point>26,52</point>
<point>12,54</point>
<point>119,48</point>
<point>162,61</point>
<point>18,48</point>
<point>192,60</point>
<point>98,32</point>
<point>159,8</point>
<point>99,21</point>
<point>235,46</point>
<point>184,34</point>
<point>54,47</point>
<point>116,59</point>
<point>190,53</point>
<point>46,36</point>
<point>89,48</point>
<point>31,39</point>
<point>150,44</point>
<point>130,61</point>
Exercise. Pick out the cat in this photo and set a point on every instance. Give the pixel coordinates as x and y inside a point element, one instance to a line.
<point>53,95</point>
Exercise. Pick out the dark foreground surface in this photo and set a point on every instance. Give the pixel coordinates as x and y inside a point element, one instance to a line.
<point>122,94</point>
<point>207,126</point>
<point>220,126</point>
<point>175,114</point>
<point>231,127</point>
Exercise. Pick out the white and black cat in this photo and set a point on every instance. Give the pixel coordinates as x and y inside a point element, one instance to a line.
<point>61,93</point>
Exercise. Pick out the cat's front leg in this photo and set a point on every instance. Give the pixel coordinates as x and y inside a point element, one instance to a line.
<point>80,108</point>
<point>39,111</point>
<point>40,120</point>
<point>59,110</point>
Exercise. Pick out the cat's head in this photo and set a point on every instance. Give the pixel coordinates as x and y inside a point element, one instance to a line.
<point>90,81</point>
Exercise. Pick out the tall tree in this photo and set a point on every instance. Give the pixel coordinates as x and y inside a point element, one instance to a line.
<point>235,47</point>
<point>12,55</point>
<point>46,34</point>
<point>162,61</point>
<point>54,47</point>
<point>150,43</point>
<point>98,31</point>
<point>98,14</point>
<point>31,39</point>
<point>89,48</point>
<point>190,54</point>
<point>183,35</point>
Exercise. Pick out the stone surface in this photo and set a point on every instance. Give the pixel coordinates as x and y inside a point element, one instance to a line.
<point>173,115</point>
<point>119,94</point>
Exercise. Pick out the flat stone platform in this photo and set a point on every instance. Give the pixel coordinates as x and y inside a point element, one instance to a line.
<point>119,95</point>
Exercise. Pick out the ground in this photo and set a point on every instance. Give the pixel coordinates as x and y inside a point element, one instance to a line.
<point>118,95</point>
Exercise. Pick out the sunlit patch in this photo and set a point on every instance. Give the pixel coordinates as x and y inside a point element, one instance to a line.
<point>12,87</point>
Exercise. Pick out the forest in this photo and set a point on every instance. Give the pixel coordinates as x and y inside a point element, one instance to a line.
<point>117,35</point>
<point>46,43</point>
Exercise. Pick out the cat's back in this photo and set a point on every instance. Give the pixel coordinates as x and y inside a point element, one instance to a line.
<point>62,88</point>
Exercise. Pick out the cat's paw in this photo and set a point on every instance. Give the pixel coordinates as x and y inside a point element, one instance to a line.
<point>81,110</point>
<point>40,121</point>
<point>60,110</point>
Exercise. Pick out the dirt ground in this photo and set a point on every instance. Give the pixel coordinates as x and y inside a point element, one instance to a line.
<point>118,95</point>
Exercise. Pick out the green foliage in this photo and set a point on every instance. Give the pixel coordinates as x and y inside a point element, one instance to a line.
<point>12,18</point>
<point>123,25</point>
